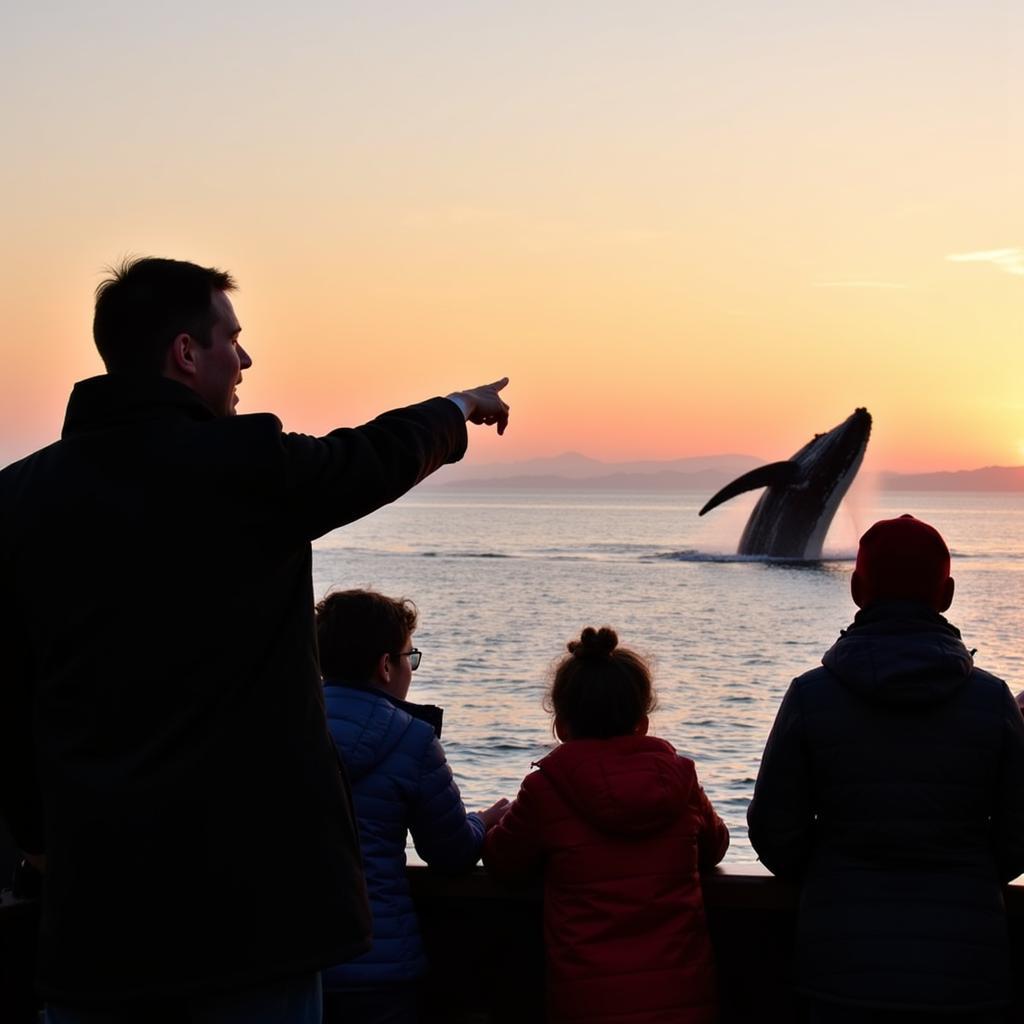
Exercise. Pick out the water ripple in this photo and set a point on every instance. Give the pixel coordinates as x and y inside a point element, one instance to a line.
<point>502,586</point>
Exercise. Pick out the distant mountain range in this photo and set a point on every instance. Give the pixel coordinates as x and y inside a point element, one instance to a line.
<point>989,478</point>
<point>705,474</point>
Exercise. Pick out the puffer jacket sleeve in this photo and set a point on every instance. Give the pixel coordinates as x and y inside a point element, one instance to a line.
<point>1008,811</point>
<point>445,836</point>
<point>713,834</point>
<point>780,816</point>
<point>514,848</point>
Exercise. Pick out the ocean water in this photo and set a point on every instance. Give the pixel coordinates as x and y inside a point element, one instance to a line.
<point>503,579</point>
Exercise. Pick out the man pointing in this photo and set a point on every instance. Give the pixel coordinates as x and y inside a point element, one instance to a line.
<point>162,737</point>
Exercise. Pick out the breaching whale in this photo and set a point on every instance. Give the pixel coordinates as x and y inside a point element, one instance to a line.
<point>793,515</point>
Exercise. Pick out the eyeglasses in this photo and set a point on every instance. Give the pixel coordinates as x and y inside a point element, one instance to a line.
<point>413,654</point>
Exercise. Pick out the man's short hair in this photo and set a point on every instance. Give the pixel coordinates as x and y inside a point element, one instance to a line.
<point>902,559</point>
<point>146,303</point>
<point>355,627</point>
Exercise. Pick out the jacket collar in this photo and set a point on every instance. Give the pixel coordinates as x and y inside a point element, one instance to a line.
<point>113,400</point>
<point>902,616</point>
<point>900,653</point>
<point>429,713</point>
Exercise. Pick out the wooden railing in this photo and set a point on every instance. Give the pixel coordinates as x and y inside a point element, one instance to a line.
<point>487,958</point>
<point>486,947</point>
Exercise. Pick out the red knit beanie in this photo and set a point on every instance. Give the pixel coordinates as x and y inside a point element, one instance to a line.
<point>902,559</point>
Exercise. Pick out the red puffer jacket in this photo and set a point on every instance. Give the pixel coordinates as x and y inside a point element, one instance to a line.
<point>621,828</point>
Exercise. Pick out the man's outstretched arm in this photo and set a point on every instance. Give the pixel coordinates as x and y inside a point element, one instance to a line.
<point>350,472</point>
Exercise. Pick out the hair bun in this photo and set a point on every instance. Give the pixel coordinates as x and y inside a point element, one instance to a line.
<point>594,643</point>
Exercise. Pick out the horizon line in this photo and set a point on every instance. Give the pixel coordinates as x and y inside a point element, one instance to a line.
<point>508,463</point>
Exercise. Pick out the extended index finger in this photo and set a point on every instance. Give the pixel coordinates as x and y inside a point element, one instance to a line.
<point>498,384</point>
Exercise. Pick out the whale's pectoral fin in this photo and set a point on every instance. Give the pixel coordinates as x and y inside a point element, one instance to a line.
<point>775,474</point>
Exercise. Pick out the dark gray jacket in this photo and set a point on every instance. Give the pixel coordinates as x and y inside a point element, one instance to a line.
<point>162,732</point>
<point>892,786</point>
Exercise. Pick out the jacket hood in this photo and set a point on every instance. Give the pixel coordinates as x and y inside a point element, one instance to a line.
<point>626,785</point>
<point>901,653</point>
<point>369,723</point>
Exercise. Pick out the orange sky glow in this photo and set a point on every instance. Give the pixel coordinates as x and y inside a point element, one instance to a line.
<point>678,231</point>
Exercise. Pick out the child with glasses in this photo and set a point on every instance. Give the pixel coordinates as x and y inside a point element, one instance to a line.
<point>619,827</point>
<point>400,781</point>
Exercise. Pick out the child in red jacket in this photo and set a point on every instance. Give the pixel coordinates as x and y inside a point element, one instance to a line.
<point>620,827</point>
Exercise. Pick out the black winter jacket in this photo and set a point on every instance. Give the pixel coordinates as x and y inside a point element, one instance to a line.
<point>162,732</point>
<point>892,786</point>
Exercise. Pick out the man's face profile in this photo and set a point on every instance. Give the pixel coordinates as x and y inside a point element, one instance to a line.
<point>219,366</point>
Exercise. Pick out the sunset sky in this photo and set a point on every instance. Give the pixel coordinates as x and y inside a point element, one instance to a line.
<point>680,228</point>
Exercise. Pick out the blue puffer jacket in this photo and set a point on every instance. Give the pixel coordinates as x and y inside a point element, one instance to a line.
<point>400,780</point>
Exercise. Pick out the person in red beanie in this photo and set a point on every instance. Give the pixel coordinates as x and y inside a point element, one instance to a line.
<point>902,559</point>
<point>892,789</point>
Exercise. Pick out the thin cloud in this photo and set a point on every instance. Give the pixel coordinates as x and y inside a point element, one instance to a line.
<point>861,284</point>
<point>1010,261</point>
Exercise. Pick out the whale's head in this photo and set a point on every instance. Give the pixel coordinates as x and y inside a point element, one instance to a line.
<point>830,461</point>
<point>827,465</point>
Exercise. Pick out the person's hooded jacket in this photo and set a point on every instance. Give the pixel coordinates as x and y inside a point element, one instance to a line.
<point>620,828</point>
<point>892,785</point>
<point>401,782</point>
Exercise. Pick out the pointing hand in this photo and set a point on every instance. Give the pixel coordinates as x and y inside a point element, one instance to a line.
<point>484,404</point>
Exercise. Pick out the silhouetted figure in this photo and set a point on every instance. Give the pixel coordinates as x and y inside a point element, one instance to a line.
<point>156,618</point>
<point>400,782</point>
<point>619,827</point>
<point>890,787</point>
